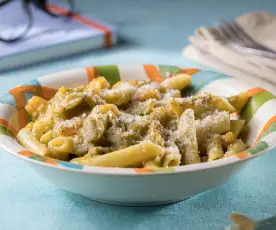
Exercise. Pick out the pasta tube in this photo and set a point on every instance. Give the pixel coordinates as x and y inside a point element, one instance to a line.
<point>99,83</point>
<point>237,147</point>
<point>47,137</point>
<point>154,135</point>
<point>26,139</point>
<point>61,147</point>
<point>142,108</point>
<point>221,104</point>
<point>186,135</point>
<point>236,126</point>
<point>200,103</point>
<point>239,101</point>
<point>105,109</point>
<point>179,81</point>
<point>143,94</point>
<point>119,96</point>
<point>214,147</point>
<point>39,128</point>
<point>151,164</point>
<point>30,126</point>
<point>218,122</point>
<point>133,155</point>
<point>36,106</point>
<point>161,114</point>
<point>136,83</point>
<point>172,159</point>
<point>228,139</point>
<point>70,101</point>
<point>94,127</point>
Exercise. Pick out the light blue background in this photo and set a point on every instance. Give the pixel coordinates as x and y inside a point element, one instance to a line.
<point>155,32</point>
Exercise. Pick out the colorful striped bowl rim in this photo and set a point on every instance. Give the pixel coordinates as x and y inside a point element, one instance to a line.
<point>259,113</point>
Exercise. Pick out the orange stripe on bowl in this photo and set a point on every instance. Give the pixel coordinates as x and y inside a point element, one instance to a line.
<point>270,121</point>
<point>50,161</point>
<point>8,126</point>
<point>78,18</point>
<point>20,99</point>
<point>20,90</point>
<point>20,102</point>
<point>142,170</point>
<point>242,155</point>
<point>45,92</point>
<point>26,153</point>
<point>90,73</point>
<point>153,73</point>
<point>189,71</point>
<point>252,92</point>
<point>48,93</point>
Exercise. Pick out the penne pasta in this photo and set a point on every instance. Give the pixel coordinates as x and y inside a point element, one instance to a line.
<point>172,159</point>
<point>105,109</point>
<point>217,122</point>
<point>94,127</point>
<point>30,126</point>
<point>36,106</point>
<point>178,82</point>
<point>39,128</point>
<point>200,103</point>
<point>237,147</point>
<point>99,83</point>
<point>214,147</point>
<point>186,135</point>
<point>151,164</point>
<point>228,139</point>
<point>26,138</point>
<point>61,147</point>
<point>136,123</point>
<point>239,101</point>
<point>47,137</point>
<point>236,126</point>
<point>221,104</point>
<point>145,94</point>
<point>132,155</point>
<point>70,101</point>
<point>120,95</point>
<point>154,135</point>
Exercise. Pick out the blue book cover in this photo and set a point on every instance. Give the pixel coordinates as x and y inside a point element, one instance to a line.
<point>49,37</point>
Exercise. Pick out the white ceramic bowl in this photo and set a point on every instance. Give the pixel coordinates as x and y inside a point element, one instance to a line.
<point>139,186</point>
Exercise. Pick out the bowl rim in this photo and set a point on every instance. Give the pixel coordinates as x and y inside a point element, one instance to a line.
<point>126,171</point>
<point>130,171</point>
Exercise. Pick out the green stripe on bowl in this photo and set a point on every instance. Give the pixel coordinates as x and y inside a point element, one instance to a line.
<point>5,131</point>
<point>254,104</point>
<point>270,129</point>
<point>164,69</point>
<point>260,146</point>
<point>110,72</point>
<point>37,158</point>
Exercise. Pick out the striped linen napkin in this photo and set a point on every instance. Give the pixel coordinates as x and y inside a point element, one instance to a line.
<point>207,49</point>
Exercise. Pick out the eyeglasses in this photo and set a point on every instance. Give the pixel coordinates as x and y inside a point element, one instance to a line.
<point>39,4</point>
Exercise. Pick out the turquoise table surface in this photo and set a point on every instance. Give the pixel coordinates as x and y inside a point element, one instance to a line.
<point>154,31</point>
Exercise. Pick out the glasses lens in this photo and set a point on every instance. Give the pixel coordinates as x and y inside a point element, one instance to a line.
<point>14,20</point>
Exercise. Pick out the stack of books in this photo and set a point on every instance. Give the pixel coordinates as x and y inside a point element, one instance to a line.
<point>49,37</point>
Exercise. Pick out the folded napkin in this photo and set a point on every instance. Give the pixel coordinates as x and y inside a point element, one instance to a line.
<point>207,48</point>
